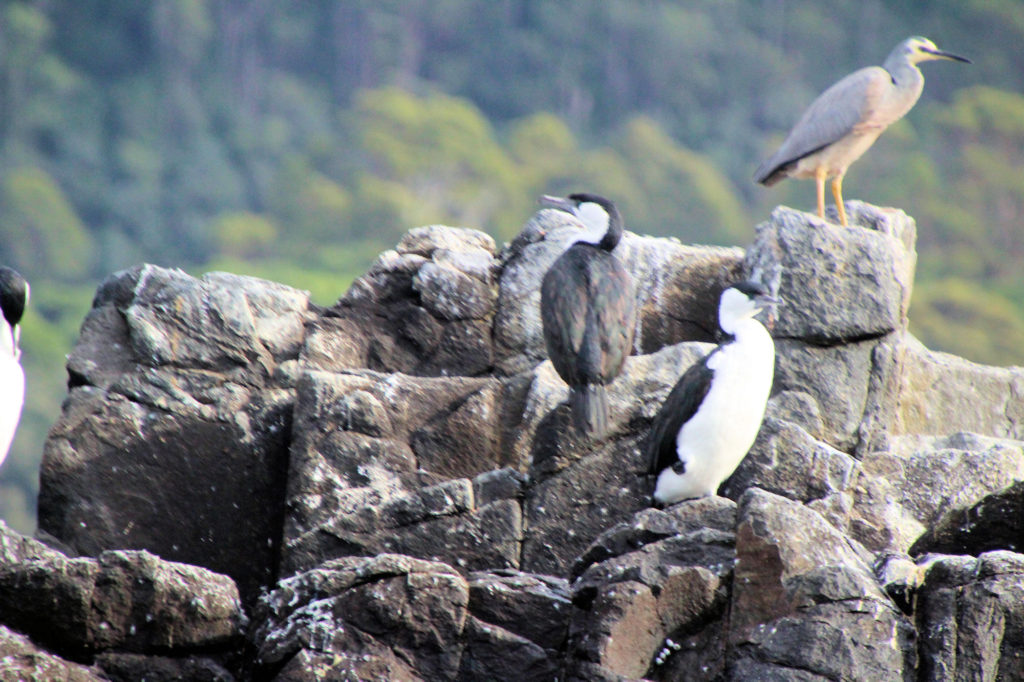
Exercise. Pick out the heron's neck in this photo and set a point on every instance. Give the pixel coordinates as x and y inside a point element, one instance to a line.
<point>908,81</point>
<point>905,74</point>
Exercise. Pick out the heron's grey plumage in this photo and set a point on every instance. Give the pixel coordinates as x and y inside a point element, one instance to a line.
<point>845,120</point>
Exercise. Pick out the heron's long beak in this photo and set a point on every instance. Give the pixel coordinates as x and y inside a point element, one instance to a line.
<point>560,203</point>
<point>939,54</point>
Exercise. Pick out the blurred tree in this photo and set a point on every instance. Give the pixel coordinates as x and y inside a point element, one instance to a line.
<point>958,316</point>
<point>679,193</point>
<point>442,157</point>
<point>241,234</point>
<point>39,230</point>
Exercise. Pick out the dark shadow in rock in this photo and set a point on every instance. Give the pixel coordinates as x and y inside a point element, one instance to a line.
<point>556,444</point>
<point>994,522</point>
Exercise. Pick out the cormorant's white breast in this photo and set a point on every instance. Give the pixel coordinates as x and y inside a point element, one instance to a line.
<point>14,293</point>
<point>712,415</point>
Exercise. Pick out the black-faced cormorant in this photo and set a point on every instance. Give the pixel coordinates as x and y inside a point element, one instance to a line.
<point>712,416</point>
<point>14,292</point>
<point>588,310</point>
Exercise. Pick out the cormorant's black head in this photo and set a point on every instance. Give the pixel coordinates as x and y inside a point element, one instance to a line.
<point>14,294</point>
<point>599,216</point>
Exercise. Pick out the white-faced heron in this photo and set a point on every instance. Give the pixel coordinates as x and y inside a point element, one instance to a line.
<point>847,118</point>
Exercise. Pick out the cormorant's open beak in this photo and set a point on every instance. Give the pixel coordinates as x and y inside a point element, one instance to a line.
<point>560,203</point>
<point>940,54</point>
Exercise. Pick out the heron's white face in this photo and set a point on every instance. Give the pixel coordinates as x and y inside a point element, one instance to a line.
<point>595,221</point>
<point>920,49</point>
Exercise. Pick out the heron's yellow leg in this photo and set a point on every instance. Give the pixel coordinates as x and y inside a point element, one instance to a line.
<point>837,192</point>
<point>819,180</point>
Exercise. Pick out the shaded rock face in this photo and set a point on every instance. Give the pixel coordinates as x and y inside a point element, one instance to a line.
<point>244,486</point>
<point>119,612</point>
<point>174,436</point>
<point>971,617</point>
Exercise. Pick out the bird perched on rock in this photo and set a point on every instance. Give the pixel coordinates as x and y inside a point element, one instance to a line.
<point>845,120</point>
<point>588,310</point>
<point>14,292</point>
<point>712,415</point>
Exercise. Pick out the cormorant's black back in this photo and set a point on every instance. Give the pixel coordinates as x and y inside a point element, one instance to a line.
<point>589,315</point>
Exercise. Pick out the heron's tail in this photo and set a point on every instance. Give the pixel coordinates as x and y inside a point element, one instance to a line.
<point>589,407</point>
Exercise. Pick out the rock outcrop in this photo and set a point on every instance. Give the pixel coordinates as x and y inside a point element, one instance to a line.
<point>243,485</point>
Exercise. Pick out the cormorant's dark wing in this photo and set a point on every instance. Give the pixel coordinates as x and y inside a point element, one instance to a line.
<point>563,311</point>
<point>614,304</point>
<point>680,405</point>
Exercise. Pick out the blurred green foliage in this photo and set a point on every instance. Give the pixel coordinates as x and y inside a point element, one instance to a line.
<point>295,140</point>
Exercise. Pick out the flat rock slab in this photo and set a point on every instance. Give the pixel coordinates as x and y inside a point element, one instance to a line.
<point>189,484</point>
<point>125,601</point>
<point>942,393</point>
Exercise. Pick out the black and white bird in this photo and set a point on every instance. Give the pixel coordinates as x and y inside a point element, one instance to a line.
<point>14,292</point>
<point>712,415</point>
<point>588,310</point>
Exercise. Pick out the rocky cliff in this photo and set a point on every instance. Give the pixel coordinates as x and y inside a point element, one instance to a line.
<point>242,485</point>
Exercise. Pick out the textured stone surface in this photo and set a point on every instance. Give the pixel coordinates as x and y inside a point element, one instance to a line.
<point>970,618</point>
<point>174,437</point>
<point>941,393</point>
<point>994,522</point>
<point>651,585</point>
<point>787,460</point>
<point>902,491</point>
<point>370,618</point>
<point>118,667</point>
<point>850,283</point>
<point>124,601</point>
<point>21,659</point>
<point>805,598</point>
<point>425,308</point>
<point>376,468</point>
<point>395,475</point>
<point>837,378</point>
